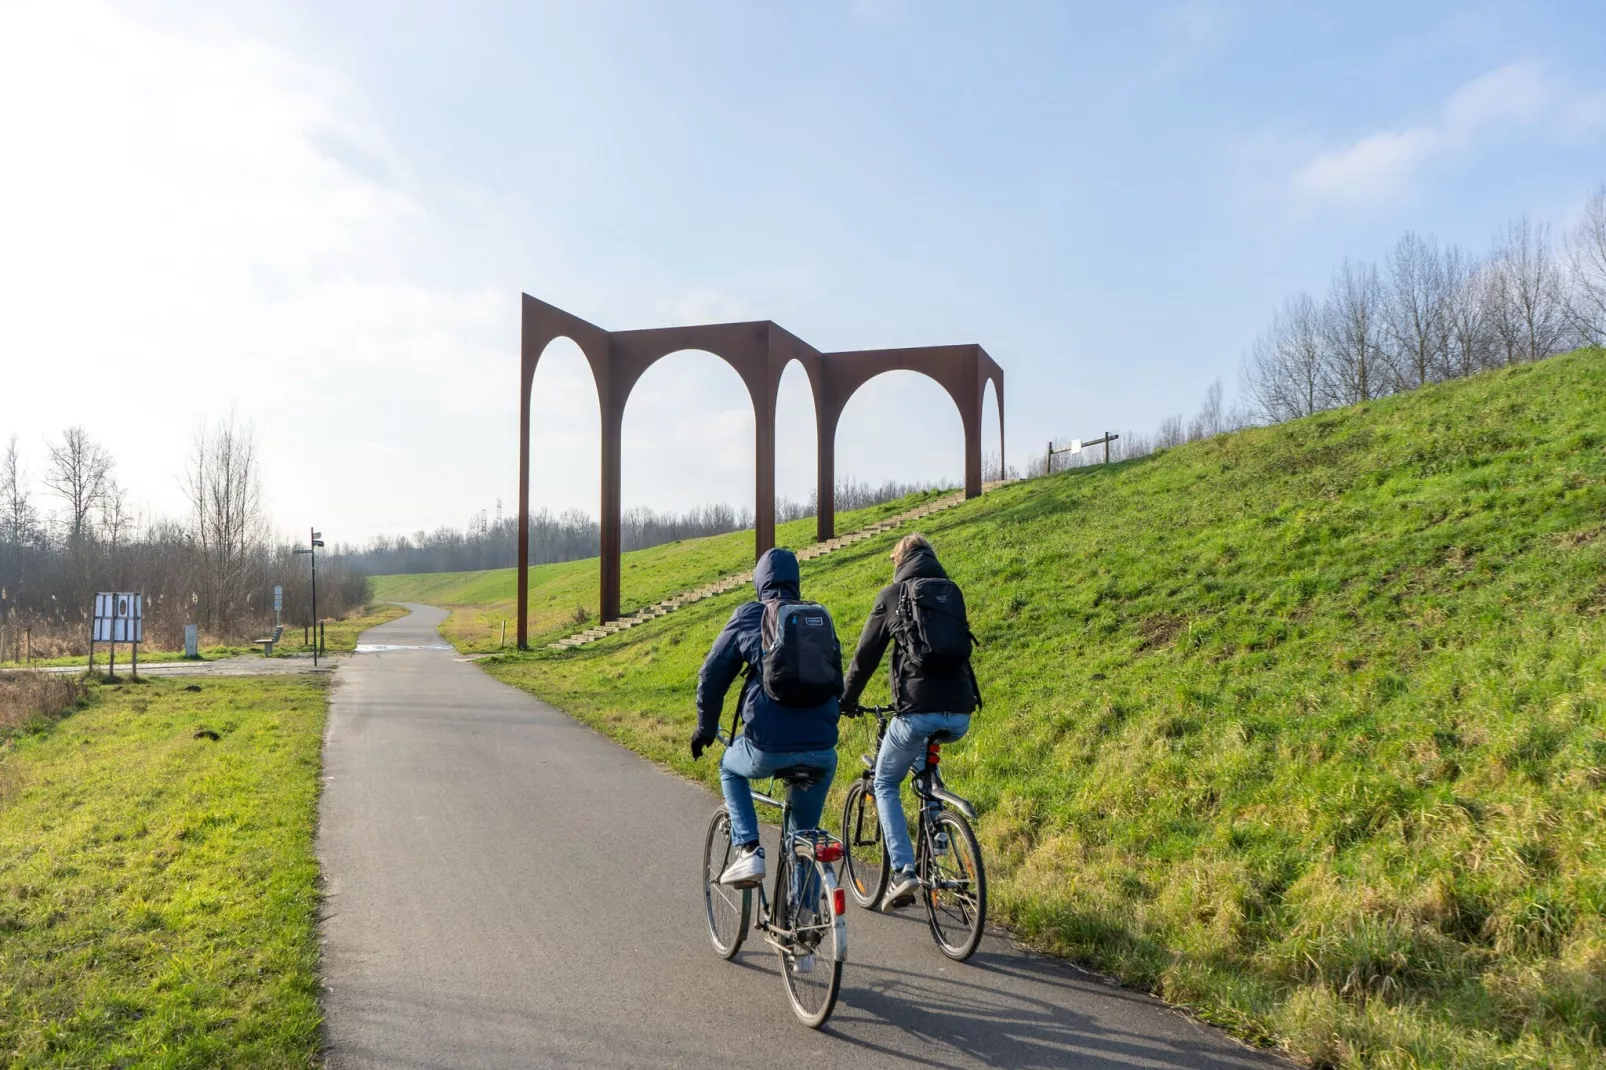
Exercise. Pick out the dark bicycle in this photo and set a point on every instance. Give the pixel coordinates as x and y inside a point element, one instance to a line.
<point>953,882</point>
<point>804,921</point>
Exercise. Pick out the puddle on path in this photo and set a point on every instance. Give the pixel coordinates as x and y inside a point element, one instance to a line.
<point>380,648</point>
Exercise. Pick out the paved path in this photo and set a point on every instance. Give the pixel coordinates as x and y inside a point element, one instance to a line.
<point>507,888</point>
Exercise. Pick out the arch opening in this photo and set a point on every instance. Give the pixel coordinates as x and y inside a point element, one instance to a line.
<point>796,453</point>
<point>900,430</point>
<point>686,459</point>
<point>993,458</point>
<point>565,464</point>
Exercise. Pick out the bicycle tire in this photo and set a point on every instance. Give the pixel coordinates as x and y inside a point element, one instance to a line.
<point>817,931</point>
<point>953,886</point>
<point>864,852</point>
<point>728,909</point>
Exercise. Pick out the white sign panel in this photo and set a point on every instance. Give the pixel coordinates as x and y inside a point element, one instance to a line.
<point>1076,445</point>
<point>278,598</point>
<point>119,617</point>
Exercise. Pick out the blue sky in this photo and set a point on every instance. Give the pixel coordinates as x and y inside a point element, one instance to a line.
<point>321,216</point>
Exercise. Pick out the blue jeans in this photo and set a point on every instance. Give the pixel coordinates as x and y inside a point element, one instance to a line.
<point>903,748</point>
<point>743,762</point>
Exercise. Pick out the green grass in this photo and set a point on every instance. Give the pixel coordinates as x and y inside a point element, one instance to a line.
<point>563,597</point>
<point>1302,727</point>
<point>340,636</point>
<point>146,657</point>
<point>158,895</point>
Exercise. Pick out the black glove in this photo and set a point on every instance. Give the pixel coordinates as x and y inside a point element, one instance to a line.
<point>852,709</point>
<point>700,742</point>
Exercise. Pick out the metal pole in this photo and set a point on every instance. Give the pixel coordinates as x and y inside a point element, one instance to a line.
<point>312,547</point>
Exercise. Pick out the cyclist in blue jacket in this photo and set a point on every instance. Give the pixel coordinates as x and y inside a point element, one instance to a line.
<point>773,736</point>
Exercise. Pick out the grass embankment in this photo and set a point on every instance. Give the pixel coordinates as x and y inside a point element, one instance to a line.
<point>1301,727</point>
<point>157,890</point>
<point>563,597</point>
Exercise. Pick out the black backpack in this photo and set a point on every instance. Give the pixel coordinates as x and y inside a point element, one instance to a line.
<point>802,661</point>
<point>930,625</point>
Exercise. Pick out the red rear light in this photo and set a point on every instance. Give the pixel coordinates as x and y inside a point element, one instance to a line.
<point>830,852</point>
<point>839,902</point>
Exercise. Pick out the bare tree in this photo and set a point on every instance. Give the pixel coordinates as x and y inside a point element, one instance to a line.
<point>1283,375</point>
<point>1415,311</point>
<point>1172,432</point>
<point>1468,345</point>
<point>1352,333</point>
<point>116,519</point>
<point>1586,254</point>
<point>1528,307</point>
<point>1212,418</point>
<point>228,522</point>
<point>18,521</point>
<point>79,468</point>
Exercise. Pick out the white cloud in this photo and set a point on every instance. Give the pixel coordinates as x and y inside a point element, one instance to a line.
<point>192,221</point>
<point>1386,164</point>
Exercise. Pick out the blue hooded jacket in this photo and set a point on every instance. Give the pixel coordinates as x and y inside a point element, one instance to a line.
<point>771,726</point>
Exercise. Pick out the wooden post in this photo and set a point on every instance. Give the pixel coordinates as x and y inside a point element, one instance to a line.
<point>1048,462</point>
<point>1106,447</point>
<point>502,642</point>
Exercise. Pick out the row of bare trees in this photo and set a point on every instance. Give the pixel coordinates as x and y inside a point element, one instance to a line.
<point>1426,314</point>
<point>1430,313</point>
<point>70,532</point>
<point>574,534</point>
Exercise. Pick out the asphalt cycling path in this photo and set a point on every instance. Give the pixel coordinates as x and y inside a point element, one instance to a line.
<point>507,888</point>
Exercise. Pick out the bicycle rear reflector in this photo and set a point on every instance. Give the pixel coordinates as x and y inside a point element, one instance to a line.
<point>839,902</point>
<point>828,852</point>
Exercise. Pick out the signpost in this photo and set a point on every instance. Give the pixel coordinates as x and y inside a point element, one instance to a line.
<point>312,548</point>
<point>278,606</point>
<point>119,618</point>
<point>1077,446</point>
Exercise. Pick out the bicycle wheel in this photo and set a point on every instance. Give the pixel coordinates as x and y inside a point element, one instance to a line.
<point>954,884</point>
<point>815,942</point>
<point>728,908</point>
<point>864,855</point>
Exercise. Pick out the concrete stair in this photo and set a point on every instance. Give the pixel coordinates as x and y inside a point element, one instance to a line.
<point>739,579</point>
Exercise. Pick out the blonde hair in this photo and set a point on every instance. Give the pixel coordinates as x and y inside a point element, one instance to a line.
<point>907,545</point>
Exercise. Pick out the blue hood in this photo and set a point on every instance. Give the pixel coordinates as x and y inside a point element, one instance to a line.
<point>776,575</point>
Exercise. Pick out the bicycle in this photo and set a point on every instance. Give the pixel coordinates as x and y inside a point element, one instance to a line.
<point>948,863</point>
<point>806,922</point>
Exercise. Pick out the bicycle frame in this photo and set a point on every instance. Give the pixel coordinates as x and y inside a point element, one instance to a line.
<point>815,845</point>
<point>928,782</point>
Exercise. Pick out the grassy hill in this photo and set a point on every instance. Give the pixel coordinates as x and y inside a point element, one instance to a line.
<point>563,597</point>
<point>1301,727</point>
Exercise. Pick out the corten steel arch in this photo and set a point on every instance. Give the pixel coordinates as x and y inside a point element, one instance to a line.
<point>759,352</point>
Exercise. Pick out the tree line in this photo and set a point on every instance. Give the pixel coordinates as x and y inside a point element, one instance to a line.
<point>572,534</point>
<point>67,531</point>
<point>1429,313</point>
<point>1425,314</point>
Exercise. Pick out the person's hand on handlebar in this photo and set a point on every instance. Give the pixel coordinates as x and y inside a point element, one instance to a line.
<point>701,741</point>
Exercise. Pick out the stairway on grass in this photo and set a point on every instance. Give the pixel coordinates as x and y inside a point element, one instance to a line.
<point>729,583</point>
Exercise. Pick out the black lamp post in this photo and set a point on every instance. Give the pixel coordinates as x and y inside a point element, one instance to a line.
<point>312,548</point>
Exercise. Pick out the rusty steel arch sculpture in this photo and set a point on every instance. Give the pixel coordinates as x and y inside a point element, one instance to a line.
<point>760,352</point>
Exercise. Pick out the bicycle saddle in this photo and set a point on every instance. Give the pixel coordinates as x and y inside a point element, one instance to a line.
<point>800,776</point>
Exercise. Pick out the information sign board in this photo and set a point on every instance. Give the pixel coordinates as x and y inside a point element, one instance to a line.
<point>278,598</point>
<point>119,617</point>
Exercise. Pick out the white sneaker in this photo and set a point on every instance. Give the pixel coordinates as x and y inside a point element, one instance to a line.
<point>746,869</point>
<point>901,892</point>
<point>803,964</point>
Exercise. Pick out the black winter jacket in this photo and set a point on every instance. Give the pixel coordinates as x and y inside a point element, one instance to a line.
<point>949,691</point>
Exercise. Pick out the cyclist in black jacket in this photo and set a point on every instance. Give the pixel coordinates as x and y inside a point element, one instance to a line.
<point>929,703</point>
